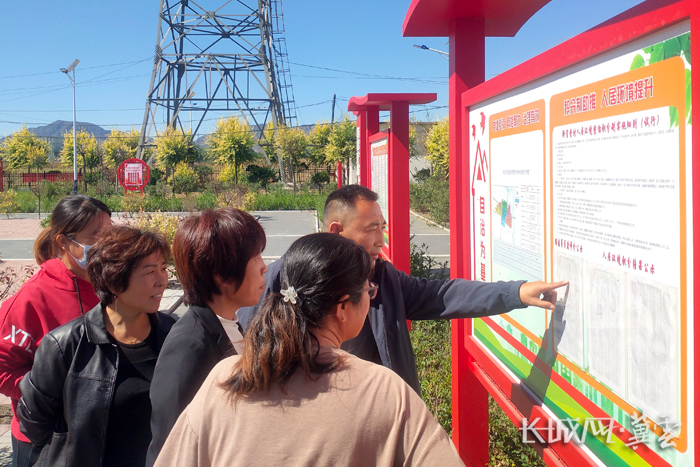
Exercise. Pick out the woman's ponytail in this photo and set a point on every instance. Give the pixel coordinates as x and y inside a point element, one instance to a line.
<point>278,341</point>
<point>44,246</point>
<point>319,270</point>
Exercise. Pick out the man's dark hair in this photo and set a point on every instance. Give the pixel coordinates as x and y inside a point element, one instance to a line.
<point>345,199</point>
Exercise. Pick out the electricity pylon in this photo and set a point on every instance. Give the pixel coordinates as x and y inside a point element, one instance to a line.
<point>231,58</point>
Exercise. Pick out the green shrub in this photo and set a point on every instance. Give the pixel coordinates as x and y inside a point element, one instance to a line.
<point>506,447</point>
<point>432,197</point>
<point>26,200</point>
<point>59,189</point>
<point>207,200</point>
<point>422,175</point>
<point>279,199</point>
<point>8,202</point>
<point>132,203</point>
<point>431,345</point>
<point>45,222</point>
<point>156,175</point>
<point>204,173</point>
<point>91,178</point>
<point>159,193</point>
<point>320,178</point>
<point>262,176</point>
<point>114,203</point>
<point>185,179</point>
<point>103,189</point>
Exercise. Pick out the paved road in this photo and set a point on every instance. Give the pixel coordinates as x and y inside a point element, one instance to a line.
<point>281,229</point>
<point>436,239</point>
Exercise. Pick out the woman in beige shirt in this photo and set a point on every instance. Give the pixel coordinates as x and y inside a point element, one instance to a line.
<point>293,397</point>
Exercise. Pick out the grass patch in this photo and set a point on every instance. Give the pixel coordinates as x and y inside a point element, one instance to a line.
<point>431,197</point>
<point>280,199</point>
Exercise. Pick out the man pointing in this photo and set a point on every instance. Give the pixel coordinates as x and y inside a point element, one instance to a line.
<point>353,212</point>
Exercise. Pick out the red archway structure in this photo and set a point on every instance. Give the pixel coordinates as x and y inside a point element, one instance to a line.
<point>467,23</point>
<point>367,109</point>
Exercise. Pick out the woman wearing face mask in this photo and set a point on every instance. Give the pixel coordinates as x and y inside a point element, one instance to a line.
<point>86,397</point>
<point>293,397</point>
<point>58,293</point>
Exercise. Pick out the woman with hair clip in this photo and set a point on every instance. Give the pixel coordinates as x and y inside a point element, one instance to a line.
<point>59,292</point>
<point>293,397</point>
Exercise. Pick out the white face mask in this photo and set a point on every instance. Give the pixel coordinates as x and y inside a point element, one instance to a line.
<point>80,262</point>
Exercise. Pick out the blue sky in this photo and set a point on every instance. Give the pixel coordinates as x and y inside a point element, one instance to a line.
<point>115,42</point>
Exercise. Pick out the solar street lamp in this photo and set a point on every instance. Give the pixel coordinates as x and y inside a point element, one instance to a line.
<point>67,71</point>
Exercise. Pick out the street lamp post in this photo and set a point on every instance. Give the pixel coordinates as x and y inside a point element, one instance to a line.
<point>70,68</point>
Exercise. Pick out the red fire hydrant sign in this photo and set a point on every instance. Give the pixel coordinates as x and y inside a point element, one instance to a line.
<point>133,175</point>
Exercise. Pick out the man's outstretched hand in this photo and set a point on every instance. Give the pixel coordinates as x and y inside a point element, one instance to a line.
<point>541,294</point>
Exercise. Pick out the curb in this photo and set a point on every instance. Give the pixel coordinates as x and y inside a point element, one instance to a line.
<point>428,221</point>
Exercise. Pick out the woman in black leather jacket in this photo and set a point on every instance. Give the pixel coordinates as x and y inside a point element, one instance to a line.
<point>86,398</point>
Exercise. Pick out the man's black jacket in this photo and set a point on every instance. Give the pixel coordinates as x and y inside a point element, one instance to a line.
<point>195,345</point>
<point>71,384</point>
<point>401,297</point>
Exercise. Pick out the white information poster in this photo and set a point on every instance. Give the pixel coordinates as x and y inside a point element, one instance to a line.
<point>133,174</point>
<point>379,156</point>
<point>585,176</point>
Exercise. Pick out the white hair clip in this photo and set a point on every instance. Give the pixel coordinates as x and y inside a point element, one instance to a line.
<point>290,295</point>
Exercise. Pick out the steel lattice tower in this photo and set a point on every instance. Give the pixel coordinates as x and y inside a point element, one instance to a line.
<point>228,59</point>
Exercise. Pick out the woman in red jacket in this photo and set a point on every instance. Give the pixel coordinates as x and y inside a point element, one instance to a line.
<point>58,293</point>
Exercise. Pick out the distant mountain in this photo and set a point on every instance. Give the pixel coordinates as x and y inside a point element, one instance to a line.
<point>59,127</point>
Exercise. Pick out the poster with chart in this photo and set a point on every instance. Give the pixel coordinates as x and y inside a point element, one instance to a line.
<point>585,176</point>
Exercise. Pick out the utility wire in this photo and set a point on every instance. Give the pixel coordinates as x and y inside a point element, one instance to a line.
<point>82,68</point>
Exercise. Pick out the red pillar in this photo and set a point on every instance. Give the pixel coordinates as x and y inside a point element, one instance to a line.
<point>340,174</point>
<point>695,84</point>
<point>368,124</point>
<point>398,184</point>
<point>470,419</point>
<point>362,148</point>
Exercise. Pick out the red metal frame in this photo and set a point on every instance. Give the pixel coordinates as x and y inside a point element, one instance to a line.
<point>367,109</point>
<point>631,25</point>
<point>695,84</point>
<point>467,23</point>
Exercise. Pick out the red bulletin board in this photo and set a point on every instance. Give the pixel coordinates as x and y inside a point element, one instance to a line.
<point>133,174</point>
<point>582,168</point>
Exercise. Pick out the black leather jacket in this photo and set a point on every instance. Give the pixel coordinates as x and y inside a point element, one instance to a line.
<point>194,346</point>
<point>71,384</point>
